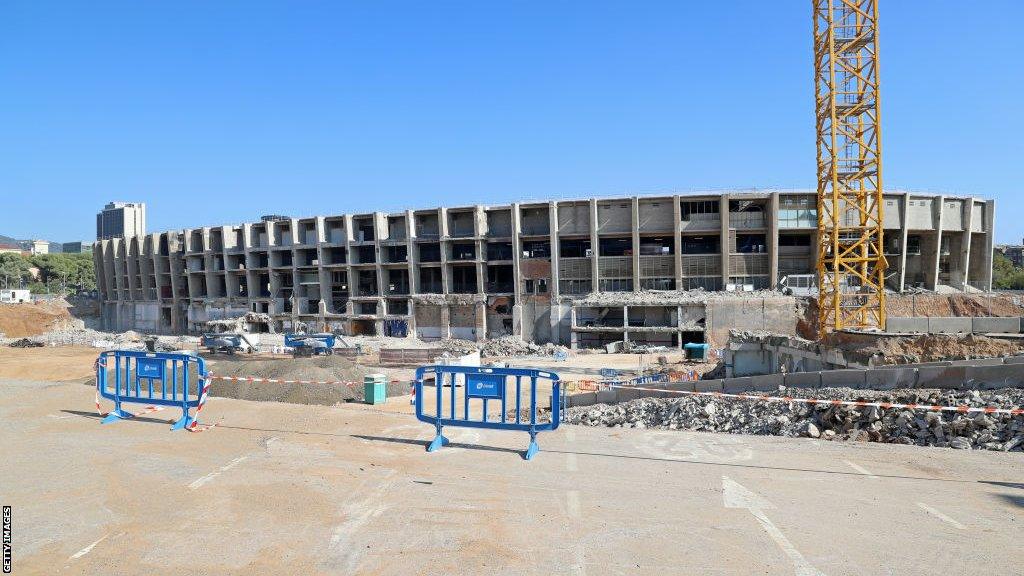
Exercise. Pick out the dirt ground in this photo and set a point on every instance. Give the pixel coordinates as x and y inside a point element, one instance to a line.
<point>21,320</point>
<point>50,364</point>
<point>923,348</point>
<point>286,489</point>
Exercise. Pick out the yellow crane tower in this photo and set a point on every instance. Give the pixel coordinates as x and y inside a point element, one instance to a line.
<point>851,264</point>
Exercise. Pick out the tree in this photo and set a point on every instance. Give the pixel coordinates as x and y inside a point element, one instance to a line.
<point>14,270</point>
<point>1006,276</point>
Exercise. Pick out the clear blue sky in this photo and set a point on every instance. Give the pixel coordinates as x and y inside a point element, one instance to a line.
<point>217,112</point>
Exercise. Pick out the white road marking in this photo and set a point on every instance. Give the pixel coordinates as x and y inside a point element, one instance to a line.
<point>736,496</point>
<point>861,469</point>
<point>56,417</point>
<point>87,549</point>
<point>572,503</point>
<point>941,516</point>
<point>570,462</point>
<point>200,481</point>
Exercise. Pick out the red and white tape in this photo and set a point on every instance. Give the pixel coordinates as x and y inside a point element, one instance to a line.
<point>277,381</point>
<point>203,396</point>
<point>963,409</point>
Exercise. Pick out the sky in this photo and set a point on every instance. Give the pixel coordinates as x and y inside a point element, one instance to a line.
<point>219,112</point>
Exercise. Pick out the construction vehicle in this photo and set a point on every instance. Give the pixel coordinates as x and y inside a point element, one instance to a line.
<point>226,342</point>
<point>306,345</point>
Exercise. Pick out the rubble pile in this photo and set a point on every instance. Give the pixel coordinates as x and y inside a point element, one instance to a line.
<point>515,346</point>
<point>869,424</point>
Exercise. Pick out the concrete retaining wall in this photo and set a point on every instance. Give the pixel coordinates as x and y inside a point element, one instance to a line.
<point>983,375</point>
<point>954,325</point>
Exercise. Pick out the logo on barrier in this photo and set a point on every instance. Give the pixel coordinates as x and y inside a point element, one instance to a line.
<point>513,391</point>
<point>154,379</point>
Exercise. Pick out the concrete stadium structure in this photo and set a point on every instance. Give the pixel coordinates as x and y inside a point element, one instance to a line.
<point>527,268</point>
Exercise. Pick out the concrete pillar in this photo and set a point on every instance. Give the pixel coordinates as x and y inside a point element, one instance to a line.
<point>446,321</point>
<point>412,319</point>
<point>989,227</point>
<point>965,245</point>
<point>773,240</point>
<point>904,229</point>
<point>553,289</point>
<point>723,213</point>
<point>517,256</point>
<point>595,269</point>
<point>940,202</point>
<point>677,244</point>
<point>481,321</point>
<point>635,227</point>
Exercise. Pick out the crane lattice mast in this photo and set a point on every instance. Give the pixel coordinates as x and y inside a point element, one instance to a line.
<point>851,263</point>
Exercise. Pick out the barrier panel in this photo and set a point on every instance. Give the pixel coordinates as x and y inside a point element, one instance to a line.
<point>483,384</point>
<point>152,378</point>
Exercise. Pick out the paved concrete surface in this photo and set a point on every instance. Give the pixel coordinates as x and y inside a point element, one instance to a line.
<point>290,489</point>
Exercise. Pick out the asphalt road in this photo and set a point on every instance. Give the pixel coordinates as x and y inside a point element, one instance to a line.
<point>289,489</point>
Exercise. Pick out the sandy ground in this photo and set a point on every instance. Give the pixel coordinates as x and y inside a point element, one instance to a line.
<point>53,364</point>
<point>289,489</point>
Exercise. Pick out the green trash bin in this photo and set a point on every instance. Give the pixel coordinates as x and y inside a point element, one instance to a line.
<point>375,388</point>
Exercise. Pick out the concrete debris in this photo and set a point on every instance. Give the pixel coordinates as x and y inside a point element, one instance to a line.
<point>456,299</point>
<point>940,429</point>
<point>664,297</point>
<point>25,343</point>
<point>248,322</point>
<point>515,346</point>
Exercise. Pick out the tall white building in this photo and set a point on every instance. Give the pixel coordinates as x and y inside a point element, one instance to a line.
<point>121,220</point>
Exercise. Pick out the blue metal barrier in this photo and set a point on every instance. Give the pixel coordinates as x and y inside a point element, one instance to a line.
<point>487,384</point>
<point>157,378</point>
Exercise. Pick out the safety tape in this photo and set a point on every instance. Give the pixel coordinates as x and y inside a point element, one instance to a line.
<point>963,409</point>
<point>147,410</point>
<point>278,381</point>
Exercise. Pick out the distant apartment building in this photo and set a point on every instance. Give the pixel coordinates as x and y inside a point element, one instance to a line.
<point>76,247</point>
<point>1015,253</point>
<point>40,247</point>
<point>121,220</point>
<point>565,270</point>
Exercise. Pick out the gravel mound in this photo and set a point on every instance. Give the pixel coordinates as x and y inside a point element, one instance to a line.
<point>940,429</point>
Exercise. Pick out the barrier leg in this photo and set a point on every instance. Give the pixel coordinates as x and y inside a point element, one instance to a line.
<point>183,422</point>
<point>116,414</point>
<point>534,448</point>
<point>438,442</point>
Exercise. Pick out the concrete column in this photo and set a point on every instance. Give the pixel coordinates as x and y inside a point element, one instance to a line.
<point>595,269</point>
<point>677,244</point>
<point>940,202</point>
<point>965,245</point>
<point>904,229</point>
<point>481,321</point>
<point>635,226</point>
<point>480,242</point>
<point>723,213</point>
<point>446,321</point>
<point>773,240</point>
<point>517,279</point>
<point>412,258</point>
<point>989,227</point>
<point>679,327</point>
<point>556,253</point>
<point>625,323</point>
